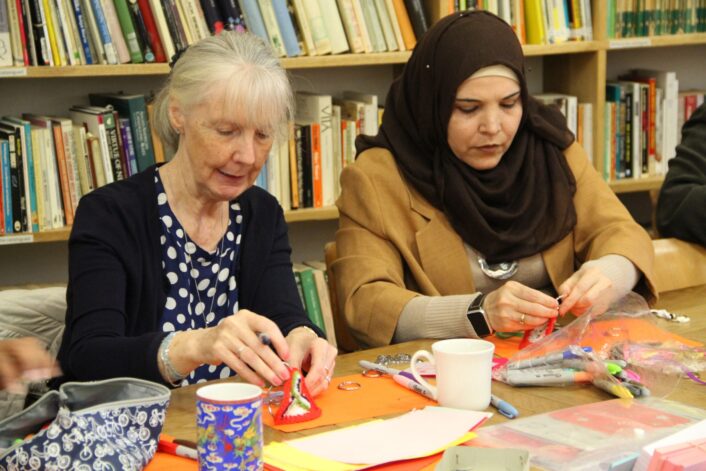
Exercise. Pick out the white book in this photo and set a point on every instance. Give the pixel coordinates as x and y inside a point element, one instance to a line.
<point>64,31</point>
<point>40,179</point>
<point>162,28</point>
<point>395,24</point>
<point>304,27</point>
<point>116,34</point>
<point>334,27</point>
<point>317,108</point>
<point>273,176</point>
<point>315,20</point>
<point>350,25</point>
<point>338,158</point>
<point>94,125</point>
<point>52,12</point>
<point>191,37</point>
<point>10,41</point>
<point>53,182</point>
<point>587,128</point>
<point>83,164</point>
<point>370,110</point>
<point>73,27</point>
<point>372,23</point>
<point>273,32</point>
<point>387,31</point>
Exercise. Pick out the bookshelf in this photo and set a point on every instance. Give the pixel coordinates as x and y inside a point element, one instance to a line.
<point>576,68</point>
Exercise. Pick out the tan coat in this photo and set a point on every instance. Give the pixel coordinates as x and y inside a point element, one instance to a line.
<point>393,245</point>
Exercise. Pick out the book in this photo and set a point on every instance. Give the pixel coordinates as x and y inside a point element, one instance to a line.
<point>39,32</point>
<point>417,16</point>
<point>65,32</point>
<point>386,24</point>
<point>410,40</point>
<point>134,108</point>
<point>82,30</point>
<point>253,18</point>
<point>394,21</point>
<point>83,163</point>
<point>96,126</point>
<point>351,26</point>
<point>233,19</point>
<point>159,26</point>
<point>373,26</point>
<point>113,24</point>
<point>297,8</point>
<point>212,15</point>
<point>96,44</point>
<point>174,24</point>
<point>128,29</point>
<point>18,217</point>
<point>334,27</point>
<point>279,27</point>
<point>111,52</point>
<point>311,296</point>
<point>315,20</point>
<point>322,289</point>
<point>10,41</point>
<point>369,125</point>
<point>28,171</point>
<point>316,109</point>
<point>128,146</point>
<point>6,186</point>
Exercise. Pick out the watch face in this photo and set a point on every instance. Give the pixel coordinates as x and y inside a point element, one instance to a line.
<point>480,325</point>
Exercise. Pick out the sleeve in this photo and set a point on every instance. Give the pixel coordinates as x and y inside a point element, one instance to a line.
<point>435,317</point>
<point>277,297</point>
<point>604,226</point>
<point>369,269</point>
<point>100,342</point>
<point>682,199</point>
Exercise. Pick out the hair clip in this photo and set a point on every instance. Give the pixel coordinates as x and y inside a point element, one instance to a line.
<point>176,56</point>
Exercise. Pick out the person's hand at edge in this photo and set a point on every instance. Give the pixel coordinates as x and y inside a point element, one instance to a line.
<point>515,306</point>
<point>313,355</point>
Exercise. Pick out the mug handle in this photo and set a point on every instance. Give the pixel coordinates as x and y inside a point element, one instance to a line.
<point>412,366</point>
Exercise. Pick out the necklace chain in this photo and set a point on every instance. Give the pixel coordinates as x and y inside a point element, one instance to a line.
<point>218,258</point>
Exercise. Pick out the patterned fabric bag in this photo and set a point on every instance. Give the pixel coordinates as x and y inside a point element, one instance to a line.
<point>103,425</point>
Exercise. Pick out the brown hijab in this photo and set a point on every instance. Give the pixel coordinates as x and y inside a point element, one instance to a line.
<point>523,205</point>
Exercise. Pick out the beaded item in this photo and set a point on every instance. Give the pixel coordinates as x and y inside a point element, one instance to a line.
<point>297,404</point>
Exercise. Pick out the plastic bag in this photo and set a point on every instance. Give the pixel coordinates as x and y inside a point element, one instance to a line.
<point>623,351</point>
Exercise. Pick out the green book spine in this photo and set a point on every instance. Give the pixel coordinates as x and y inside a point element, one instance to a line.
<point>134,108</point>
<point>298,280</point>
<point>128,29</point>
<point>311,299</point>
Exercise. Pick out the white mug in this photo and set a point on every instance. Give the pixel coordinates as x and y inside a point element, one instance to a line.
<point>463,372</point>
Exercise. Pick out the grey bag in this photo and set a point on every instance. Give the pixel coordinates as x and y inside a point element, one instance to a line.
<point>102,425</point>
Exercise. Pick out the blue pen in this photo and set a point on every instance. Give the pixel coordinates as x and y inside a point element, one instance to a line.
<point>545,360</point>
<point>505,408</point>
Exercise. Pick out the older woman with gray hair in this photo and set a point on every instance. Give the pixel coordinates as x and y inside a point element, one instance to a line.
<point>175,273</point>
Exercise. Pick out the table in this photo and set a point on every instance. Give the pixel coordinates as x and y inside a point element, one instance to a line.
<point>181,421</point>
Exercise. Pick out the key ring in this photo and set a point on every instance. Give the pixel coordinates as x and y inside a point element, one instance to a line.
<point>372,373</point>
<point>349,386</point>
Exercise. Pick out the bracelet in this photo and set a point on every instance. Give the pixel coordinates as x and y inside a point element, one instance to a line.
<point>173,376</point>
<point>306,327</point>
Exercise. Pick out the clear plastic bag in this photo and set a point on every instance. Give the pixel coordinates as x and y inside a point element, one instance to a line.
<point>622,351</point>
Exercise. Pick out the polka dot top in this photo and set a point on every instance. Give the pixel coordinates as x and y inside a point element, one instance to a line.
<point>203,288</point>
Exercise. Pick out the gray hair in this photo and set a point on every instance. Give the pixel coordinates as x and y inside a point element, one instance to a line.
<point>253,79</point>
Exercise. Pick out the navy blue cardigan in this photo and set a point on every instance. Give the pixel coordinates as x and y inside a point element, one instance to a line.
<point>116,291</point>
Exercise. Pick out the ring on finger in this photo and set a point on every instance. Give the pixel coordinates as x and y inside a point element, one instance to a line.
<point>239,350</point>
<point>328,378</point>
<point>522,319</point>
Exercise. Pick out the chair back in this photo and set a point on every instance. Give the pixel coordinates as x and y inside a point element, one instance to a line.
<point>344,339</point>
<point>678,264</point>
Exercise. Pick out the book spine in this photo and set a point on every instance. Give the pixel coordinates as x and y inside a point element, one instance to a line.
<point>10,32</point>
<point>233,19</point>
<point>111,54</point>
<point>158,30</point>
<point>82,31</point>
<point>16,185</point>
<point>95,43</point>
<point>54,48</point>
<point>143,37</point>
<point>286,27</point>
<point>111,20</point>
<point>72,172</point>
<point>29,175</point>
<point>253,18</point>
<point>316,22</point>
<point>6,186</point>
<point>351,26</point>
<point>410,39</point>
<point>39,182</point>
<point>128,146</point>
<point>6,44</point>
<point>26,38</point>
<point>3,149</point>
<point>212,16</point>
<point>128,29</point>
<point>311,299</point>
<point>73,56</point>
<point>417,17</point>
<point>144,19</point>
<point>176,30</point>
<point>63,174</point>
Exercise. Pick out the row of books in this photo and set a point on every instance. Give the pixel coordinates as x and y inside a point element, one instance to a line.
<point>579,117</point>
<point>313,287</point>
<point>303,171</point>
<point>626,19</point>
<point>49,162</point>
<point>74,32</point>
<point>539,21</point>
<point>644,115</point>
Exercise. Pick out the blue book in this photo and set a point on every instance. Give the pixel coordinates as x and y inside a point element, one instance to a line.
<point>6,193</point>
<point>286,27</point>
<point>253,19</point>
<point>82,31</point>
<point>111,54</point>
<point>26,138</point>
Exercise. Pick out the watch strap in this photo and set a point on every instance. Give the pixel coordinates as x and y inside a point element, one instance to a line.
<point>476,316</point>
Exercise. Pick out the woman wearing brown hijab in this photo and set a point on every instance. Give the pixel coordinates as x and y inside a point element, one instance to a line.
<point>474,207</point>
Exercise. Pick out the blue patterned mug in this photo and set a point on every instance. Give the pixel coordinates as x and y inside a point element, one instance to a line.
<point>229,426</point>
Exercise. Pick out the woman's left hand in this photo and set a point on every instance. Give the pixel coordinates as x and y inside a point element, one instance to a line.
<point>310,352</point>
<point>588,288</point>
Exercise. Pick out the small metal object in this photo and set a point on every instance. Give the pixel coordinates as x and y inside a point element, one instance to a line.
<point>372,374</point>
<point>522,319</point>
<point>349,386</point>
<point>498,271</point>
<point>397,358</point>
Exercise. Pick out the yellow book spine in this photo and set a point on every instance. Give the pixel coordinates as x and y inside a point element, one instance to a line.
<point>534,22</point>
<point>52,32</point>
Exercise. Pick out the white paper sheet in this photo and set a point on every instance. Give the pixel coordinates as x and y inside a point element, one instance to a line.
<point>415,434</point>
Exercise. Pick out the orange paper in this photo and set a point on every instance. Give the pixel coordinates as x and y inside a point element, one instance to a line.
<point>375,397</point>
<point>167,462</point>
<point>600,334</point>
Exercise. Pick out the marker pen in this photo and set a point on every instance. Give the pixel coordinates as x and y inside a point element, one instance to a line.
<point>414,386</point>
<point>178,450</point>
<point>504,407</point>
<point>615,389</point>
<point>545,376</point>
<point>545,360</point>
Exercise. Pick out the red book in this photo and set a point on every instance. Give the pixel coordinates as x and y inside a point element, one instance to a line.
<point>151,27</point>
<point>23,37</point>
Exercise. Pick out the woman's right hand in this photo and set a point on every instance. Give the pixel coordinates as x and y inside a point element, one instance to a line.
<point>235,342</point>
<point>515,306</point>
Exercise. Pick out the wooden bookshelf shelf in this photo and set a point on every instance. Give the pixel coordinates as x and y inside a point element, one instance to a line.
<point>346,60</point>
<point>572,47</point>
<point>638,184</point>
<point>60,235</point>
<point>656,41</point>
